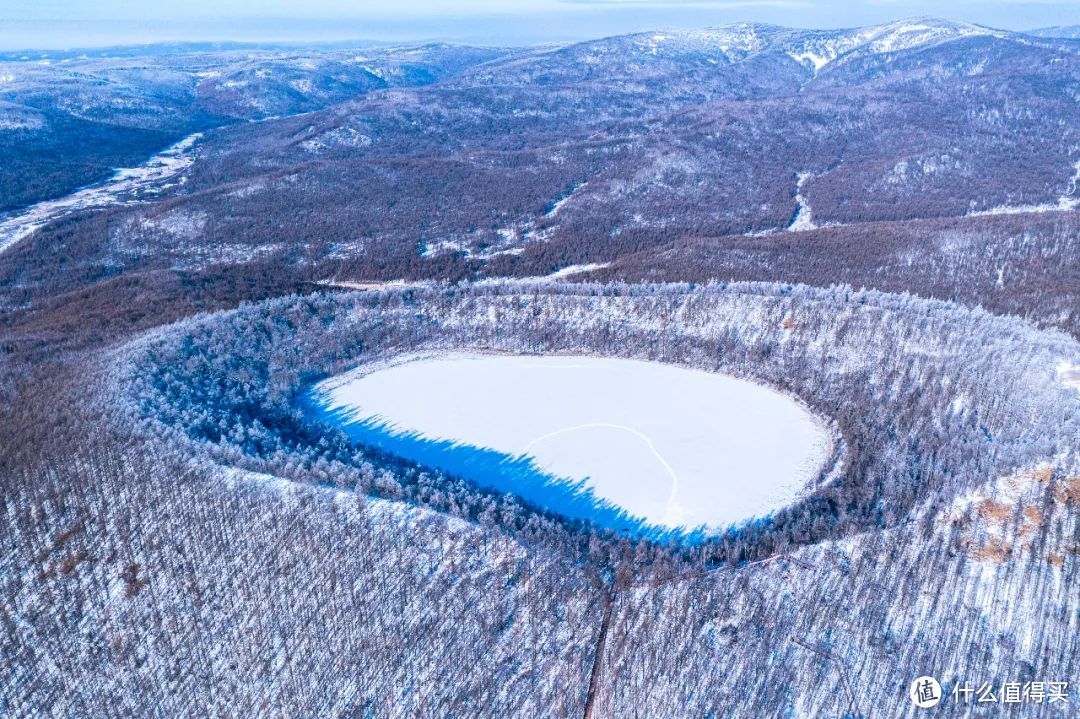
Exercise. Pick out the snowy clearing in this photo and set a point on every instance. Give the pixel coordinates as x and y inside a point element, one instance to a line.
<point>1070,375</point>
<point>674,447</point>
<point>573,270</point>
<point>804,216</point>
<point>362,285</point>
<point>125,187</point>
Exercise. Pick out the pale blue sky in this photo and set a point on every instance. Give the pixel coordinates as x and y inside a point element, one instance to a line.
<point>82,23</point>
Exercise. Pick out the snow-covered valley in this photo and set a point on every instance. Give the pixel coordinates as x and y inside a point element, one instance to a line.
<point>674,447</point>
<point>127,185</point>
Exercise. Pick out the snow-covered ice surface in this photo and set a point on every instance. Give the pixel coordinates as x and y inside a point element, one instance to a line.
<point>674,448</point>
<point>126,186</point>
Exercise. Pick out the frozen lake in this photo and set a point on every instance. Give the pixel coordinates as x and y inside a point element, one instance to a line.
<point>629,444</point>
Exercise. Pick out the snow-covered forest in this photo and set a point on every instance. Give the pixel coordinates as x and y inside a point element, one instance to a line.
<point>881,224</point>
<point>316,559</point>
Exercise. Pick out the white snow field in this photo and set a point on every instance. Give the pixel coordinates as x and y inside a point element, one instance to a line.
<point>678,448</point>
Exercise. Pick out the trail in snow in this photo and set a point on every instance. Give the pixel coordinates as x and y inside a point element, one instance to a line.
<point>573,270</point>
<point>674,514</point>
<point>127,186</point>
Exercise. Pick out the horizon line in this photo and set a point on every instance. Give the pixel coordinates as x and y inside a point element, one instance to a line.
<point>421,40</point>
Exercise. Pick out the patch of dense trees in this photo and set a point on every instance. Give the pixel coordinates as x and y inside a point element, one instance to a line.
<point>1025,264</point>
<point>153,580</point>
<point>73,152</point>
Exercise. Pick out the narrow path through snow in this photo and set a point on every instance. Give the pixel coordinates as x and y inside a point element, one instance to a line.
<point>673,515</point>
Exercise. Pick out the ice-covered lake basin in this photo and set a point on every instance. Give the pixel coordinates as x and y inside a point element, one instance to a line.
<point>636,446</point>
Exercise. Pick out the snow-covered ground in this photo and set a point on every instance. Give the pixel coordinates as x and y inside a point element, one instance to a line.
<point>563,200</point>
<point>1070,375</point>
<point>804,216</point>
<point>126,186</point>
<point>573,270</point>
<point>675,447</point>
<point>371,285</point>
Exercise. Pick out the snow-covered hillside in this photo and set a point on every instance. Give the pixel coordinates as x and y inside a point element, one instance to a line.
<point>815,48</point>
<point>127,185</point>
<point>821,49</point>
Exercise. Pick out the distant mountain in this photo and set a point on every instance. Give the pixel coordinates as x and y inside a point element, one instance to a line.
<point>597,148</point>
<point>741,41</point>
<point>66,120</point>
<point>177,48</point>
<point>1071,32</point>
<point>457,163</point>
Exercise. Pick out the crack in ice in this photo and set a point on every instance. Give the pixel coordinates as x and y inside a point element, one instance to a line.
<point>673,512</point>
